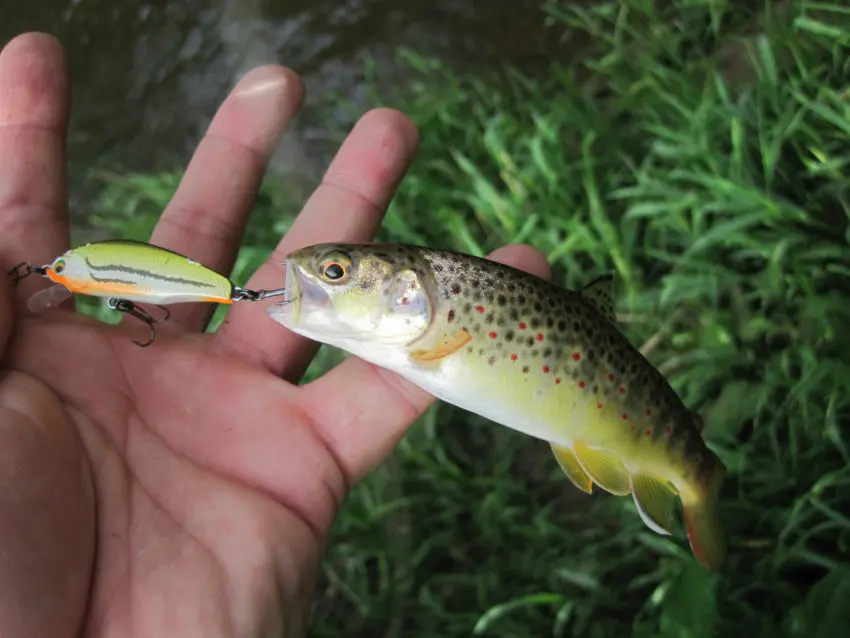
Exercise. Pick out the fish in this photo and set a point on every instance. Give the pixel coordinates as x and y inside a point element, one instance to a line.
<point>524,353</point>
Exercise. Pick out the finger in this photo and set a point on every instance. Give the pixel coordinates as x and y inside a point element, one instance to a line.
<point>363,410</point>
<point>33,184</point>
<point>206,218</point>
<point>348,207</point>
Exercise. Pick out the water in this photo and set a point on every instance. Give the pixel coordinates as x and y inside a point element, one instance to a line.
<point>147,76</point>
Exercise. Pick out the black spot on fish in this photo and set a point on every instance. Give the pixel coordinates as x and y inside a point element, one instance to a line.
<point>509,335</point>
<point>525,369</point>
<point>521,300</point>
<point>466,308</point>
<point>535,322</point>
<point>530,341</point>
<point>475,283</point>
<point>491,360</point>
<point>451,315</point>
<point>550,322</point>
<point>547,352</point>
<point>590,354</point>
<point>456,288</point>
<point>501,300</point>
<point>489,317</point>
<point>514,315</point>
<point>576,326</point>
<point>538,306</point>
<point>438,267</point>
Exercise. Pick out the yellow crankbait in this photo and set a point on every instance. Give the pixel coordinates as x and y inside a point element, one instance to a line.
<point>129,272</point>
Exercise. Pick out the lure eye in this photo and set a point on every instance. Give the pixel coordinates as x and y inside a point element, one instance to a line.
<point>59,266</point>
<point>334,271</point>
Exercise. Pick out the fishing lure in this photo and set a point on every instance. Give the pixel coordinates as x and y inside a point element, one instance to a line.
<point>128,272</point>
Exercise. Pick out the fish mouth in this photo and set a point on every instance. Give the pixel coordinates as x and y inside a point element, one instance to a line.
<point>301,294</point>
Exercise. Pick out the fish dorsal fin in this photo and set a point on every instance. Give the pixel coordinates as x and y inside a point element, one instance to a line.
<point>572,468</point>
<point>600,292</point>
<point>604,468</point>
<point>698,421</point>
<point>654,501</point>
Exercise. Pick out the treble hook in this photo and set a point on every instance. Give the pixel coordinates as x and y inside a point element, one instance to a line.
<point>129,308</point>
<point>24,270</point>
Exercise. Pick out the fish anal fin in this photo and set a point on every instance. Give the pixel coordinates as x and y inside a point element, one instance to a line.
<point>604,468</point>
<point>600,292</point>
<point>654,499</point>
<point>442,350</point>
<point>572,468</point>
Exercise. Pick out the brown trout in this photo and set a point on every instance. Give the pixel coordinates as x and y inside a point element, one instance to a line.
<point>529,355</point>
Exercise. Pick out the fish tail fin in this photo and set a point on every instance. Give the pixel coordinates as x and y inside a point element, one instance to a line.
<point>702,519</point>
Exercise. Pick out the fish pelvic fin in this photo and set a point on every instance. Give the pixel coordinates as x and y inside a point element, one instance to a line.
<point>572,468</point>
<point>604,468</point>
<point>702,520</point>
<point>443,350</point>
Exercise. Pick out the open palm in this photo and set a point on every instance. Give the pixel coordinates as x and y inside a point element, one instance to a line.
<point>185,489</point>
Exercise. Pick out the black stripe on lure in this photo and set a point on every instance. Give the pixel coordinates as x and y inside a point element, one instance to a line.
<point>129,272</point>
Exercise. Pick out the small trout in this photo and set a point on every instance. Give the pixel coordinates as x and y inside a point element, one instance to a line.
<point>527,354</point>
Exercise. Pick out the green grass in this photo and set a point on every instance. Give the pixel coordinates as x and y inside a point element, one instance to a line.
<point>699,149</point>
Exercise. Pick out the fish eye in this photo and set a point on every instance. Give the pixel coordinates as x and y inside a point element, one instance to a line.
<point>59,266</point>
<point>334,271</point>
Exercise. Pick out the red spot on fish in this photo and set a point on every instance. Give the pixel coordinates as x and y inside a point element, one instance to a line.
<point>576,356</point>
<point>610,377</point>
<point>539,337</point>
<point>492,335</point>
<point>667,429</point>
<point>624,416</point>
<point>648,412</point>
<point>599,405</point>
<point>545,368</point>
<point>480,308</point>
<point>648,432</point>
<point>513,357</point>
<point>557,380</point>
<point>522,326</point>
<point>622,390</point>
<point>581,384</point>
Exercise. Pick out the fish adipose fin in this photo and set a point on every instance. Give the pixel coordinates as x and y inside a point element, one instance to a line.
<point>600,292</point>
<point>702,521</point>
<point>572,468</point>
<point>605,469</point>
<point>452,345</point>
<point>654,500</point>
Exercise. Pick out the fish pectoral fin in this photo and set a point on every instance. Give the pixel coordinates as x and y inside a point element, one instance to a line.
<point>654,500</point>
<point>443,350</point>
<point>600,292</point>
<point>604,469</point>
<point>572,468</point>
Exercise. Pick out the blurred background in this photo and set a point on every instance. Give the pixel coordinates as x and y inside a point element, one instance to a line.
<point>696,148</point>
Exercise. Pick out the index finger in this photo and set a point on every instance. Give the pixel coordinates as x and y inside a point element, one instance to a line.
<point>33,123</point>
<point>348,206</point>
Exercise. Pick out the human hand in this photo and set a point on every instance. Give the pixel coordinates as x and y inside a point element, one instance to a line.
<point>185,489</point>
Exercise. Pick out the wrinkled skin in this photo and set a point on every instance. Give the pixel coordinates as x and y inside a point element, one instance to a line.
<point>184,489</point>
